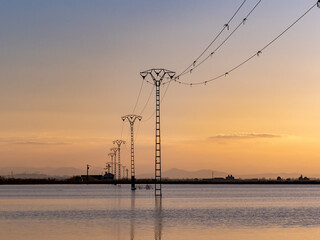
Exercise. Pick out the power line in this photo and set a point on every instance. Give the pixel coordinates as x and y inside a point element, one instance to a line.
<point>164,94</point>
<point>244,20</point>
<point>225,26</point>
<point>135,106</point>
<point>255,54</point>
<point>138,128</point>
<point>144,108</point>
<point>121,130</point>
<point>146,104</point>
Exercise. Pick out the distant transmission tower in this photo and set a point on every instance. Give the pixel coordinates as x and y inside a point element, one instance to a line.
<point>119,142</point>
<point>157,76</point>
<point>131,119</point>
<point>111,155</point>
<point>108,166</point>
<point>114,150</point>
<point>88,166</point>
<point>123,172</point>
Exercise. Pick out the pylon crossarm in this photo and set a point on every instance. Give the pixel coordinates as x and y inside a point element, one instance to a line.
<point>157,74</point>
<point>131,118</point>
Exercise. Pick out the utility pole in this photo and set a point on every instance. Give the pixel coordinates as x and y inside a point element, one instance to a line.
<point>114,150</point>
<point>111,156</point>
<point>157,76</point>
<point>108,166</point>
<point>123,171</point>
<point>131,119</point>
<point>88,166</point>
<point>119,142</point>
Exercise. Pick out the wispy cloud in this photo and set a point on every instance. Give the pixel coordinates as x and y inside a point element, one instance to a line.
<point>244,136</point>
<point>40,143</point>
<point>32,141</point>
<point>51,140</point>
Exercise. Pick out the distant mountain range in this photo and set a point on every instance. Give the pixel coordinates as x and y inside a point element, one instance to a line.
<point>275,175</point>
<point>181,174</point>
<point>174,173</point>
<point>48,172</point>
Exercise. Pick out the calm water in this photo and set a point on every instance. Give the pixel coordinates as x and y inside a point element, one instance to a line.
<point>184,212</point>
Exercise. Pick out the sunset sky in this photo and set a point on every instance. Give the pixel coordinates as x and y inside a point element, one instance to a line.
<point>70,69</point>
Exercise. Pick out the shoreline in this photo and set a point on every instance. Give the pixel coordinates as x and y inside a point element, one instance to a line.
<point>11,181</point>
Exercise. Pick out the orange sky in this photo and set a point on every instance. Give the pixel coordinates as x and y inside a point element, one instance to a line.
<point>69,72</point>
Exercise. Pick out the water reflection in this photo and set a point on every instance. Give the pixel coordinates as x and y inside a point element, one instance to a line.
<point>158,215</point>
<point>186,212</point>
<point>158,218</point>
<point>132,215</point>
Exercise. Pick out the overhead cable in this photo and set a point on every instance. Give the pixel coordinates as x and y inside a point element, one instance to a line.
<point>164,94</point>
<point>135,106</point>
<point>225,26</point>
<point>244,20</point>
<point>258,53</point>
<point>143,109</point>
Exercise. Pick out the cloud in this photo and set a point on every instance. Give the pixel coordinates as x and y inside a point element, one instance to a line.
<point>40,143</point>
<point>31,141</point>
<point>243,136</point>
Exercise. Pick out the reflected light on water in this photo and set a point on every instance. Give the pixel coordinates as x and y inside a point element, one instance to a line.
<point>158,218</point>
<point>132,215</point>
<point>79,212</point>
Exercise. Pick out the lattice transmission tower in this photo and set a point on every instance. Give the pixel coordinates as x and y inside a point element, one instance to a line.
<point>157,76</point>
<point>123,172</point>
<point>114,150</point>
<point>118,142</point>
<point>112,164</point>
<point>131,119</point>
<point>108,167</point>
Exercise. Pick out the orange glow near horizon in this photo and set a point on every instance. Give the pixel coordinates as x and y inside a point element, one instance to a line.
<point>65,83</point>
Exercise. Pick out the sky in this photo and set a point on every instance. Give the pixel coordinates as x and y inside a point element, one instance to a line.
<point>69,70</point>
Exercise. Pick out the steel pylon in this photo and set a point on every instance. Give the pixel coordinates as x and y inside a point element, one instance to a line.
<point>118,142</point>
<point>114,150</point>
<point>112,164</point>
<point>157,75</point>
<point>131,119</point>
<point>108,166</point>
